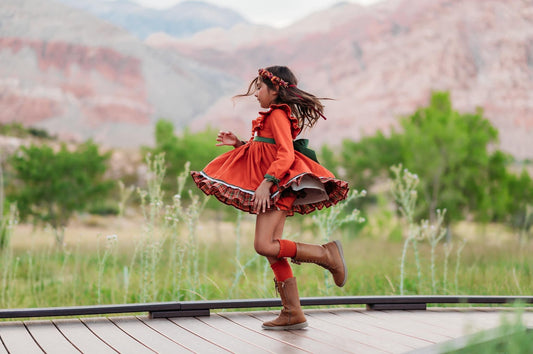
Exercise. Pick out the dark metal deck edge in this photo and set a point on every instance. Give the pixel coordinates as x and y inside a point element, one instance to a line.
<point>257,303</point>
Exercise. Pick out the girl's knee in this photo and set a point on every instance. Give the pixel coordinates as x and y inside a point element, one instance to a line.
<point>265,249</point>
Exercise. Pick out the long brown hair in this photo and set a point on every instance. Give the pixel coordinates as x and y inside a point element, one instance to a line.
<point>304,106</point>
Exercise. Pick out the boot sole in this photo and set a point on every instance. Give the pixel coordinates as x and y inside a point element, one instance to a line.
<point>339,246</point>
<point>286,328</point>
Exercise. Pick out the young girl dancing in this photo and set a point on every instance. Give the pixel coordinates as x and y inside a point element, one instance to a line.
<point>270,177</point>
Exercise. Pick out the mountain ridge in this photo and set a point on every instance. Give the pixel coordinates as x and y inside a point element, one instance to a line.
<point>382,62</point>
<point>181,20</point>
<point>70,72</point>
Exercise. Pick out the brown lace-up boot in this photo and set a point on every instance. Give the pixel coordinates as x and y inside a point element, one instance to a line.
<point>291,316</point>
<point>329,256</point>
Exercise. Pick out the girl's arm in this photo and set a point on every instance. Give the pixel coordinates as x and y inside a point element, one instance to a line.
<point>281,131</point>
<point>228,138</point>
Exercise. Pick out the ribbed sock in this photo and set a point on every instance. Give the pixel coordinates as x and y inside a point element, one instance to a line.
<point>282,270</point>
<point>286,249</point>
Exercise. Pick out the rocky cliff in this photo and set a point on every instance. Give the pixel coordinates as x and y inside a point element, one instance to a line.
<point>383,61</point>
<point>78,76</point>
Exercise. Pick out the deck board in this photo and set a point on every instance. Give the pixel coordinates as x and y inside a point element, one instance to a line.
<point>349,330</point>
<point>50,339</point>
<point>17,339</point>
<point>209,333</point>
<point>81,337</point>
<point>376,344</point>
<point>117,339</point>
<point>328,334</point>
<point>3,349</point>
<point>190,341</point>
<point>302,338</point>
<point>230,323</point>
<point>147,335</point>
<point>376,329</point>
<point>414,328</point>
<point>284,338</point>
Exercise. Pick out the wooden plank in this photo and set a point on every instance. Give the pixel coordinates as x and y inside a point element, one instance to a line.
<point>326,334</point>
<point>183,337</point>
<point>293,338</point>
<point>147,335</point>
<point>80,336</point>
<point>200,326</point>
<point>228,322</point>
<point>454,322</point>
<point>411,328</point>
<point>426,321</point>
<point>49,338</point>
<point>365,325</point>
<point>285,338</point>
<point>400,334</point>
<point>329,321</point>
<point>260,343</point>
<point>114,336</point>
<point>17,339</point>
<point>3,349</point>
<point>465,321</point>
<point>252,325</point>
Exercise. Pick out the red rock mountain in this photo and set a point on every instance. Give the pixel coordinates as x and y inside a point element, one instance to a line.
<point>383,61</point>
<point>73,74</point>
<point>80,77</point>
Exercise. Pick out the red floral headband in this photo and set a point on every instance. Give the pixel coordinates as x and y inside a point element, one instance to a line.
<point>264,73</point>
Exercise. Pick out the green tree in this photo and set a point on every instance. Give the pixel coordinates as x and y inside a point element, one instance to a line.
<point>367,160</point>
<point>50,186</point>
<point>197,148</point>
<point>450,153</point>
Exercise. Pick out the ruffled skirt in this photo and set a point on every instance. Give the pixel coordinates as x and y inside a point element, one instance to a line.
<point>307,186</point>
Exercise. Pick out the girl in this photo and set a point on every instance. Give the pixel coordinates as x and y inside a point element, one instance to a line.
<point>268,176</point>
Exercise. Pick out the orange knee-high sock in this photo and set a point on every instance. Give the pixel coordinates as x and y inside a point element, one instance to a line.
<point>286,249</point>
<point>282,269</point>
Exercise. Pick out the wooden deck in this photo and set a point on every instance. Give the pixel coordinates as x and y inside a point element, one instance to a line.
<point>351,330</point>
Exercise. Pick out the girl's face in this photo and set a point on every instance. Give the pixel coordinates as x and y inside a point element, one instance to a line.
<point>264,95</point>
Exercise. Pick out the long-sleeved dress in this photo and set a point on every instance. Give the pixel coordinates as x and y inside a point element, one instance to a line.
<point>301,184</point>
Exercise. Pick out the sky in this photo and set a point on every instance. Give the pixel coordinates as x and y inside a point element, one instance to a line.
<point>277,13</point>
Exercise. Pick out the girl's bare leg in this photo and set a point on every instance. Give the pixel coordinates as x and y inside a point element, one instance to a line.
<point>268,229</point>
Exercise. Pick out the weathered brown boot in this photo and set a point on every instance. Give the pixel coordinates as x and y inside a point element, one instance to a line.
<point>291,316</point>
<point>329,256</point>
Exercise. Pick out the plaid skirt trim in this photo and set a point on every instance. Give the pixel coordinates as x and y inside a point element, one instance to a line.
<point>241,198</point>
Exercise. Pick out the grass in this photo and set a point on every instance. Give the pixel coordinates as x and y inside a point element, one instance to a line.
<point>93,269</point>
<point>174,252</point>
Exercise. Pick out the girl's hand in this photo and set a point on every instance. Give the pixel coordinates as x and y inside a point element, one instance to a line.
<point>228,138</point>
<point>261,198</point>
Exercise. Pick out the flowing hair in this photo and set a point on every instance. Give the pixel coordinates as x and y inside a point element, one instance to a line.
<point>304,106</point>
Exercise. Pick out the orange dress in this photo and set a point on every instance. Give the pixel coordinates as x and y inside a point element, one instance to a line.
<point>301,184</point>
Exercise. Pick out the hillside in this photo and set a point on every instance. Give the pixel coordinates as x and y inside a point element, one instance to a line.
<point>181,20</point>
<point>383,61</point>
<point>80,77</point>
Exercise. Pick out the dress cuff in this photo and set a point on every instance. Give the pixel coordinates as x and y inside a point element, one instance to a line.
<point>272,179</point>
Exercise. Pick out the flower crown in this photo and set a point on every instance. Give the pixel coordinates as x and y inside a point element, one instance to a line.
<point>264,73</point>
